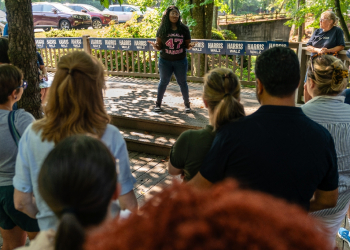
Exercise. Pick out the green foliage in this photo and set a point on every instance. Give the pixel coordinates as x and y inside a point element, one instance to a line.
<point>228,35</point>
<point>222,35</point>
<point>63,33</point>
<point>216,35</point>
<point>133,29</point>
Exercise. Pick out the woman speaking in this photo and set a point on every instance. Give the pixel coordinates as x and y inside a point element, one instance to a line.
<point>173,38</point>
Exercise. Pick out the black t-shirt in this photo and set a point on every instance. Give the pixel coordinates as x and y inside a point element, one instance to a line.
<point>173,45</point>
<point>329,39</point>
<point>277,150</point>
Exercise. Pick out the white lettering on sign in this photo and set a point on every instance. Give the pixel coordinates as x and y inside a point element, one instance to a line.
<point>199,45</point>
<point>96,42</point>
<point>111,42</point>
<point>215,50</point>
<point>140,43</point>
<point>215,45</point>
<point>51,42</point>
<point>125,42</point>
<point>235,46</point>
<point>256,46</point>
<point>76,41</point>
<point>63,42</point>
<point>272,45</point>
<point>235,51</point>
<point>39,42</point>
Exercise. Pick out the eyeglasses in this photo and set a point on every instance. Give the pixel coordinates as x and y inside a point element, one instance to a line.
<point>323,19</point>
<point>24,85</point>
<point>174,13</point>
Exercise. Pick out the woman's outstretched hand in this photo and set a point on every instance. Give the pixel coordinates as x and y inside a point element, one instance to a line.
<point>191,45</point>
<point>155,45</point>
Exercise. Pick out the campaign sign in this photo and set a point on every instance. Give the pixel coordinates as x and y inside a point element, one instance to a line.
<point>271,44</point>
<point>140,45</point>
<point>40,43</point>
<point>51,43</point>
<point>215,47</point>
<point>96,43</point>
<point>76,42</point>
<point>63,43</point>
<point>255,48</point>
<point>235,48</point>
<point>200,46</point>
<point>150,46</point>
<point>125,43</point>
<point>110,44</point>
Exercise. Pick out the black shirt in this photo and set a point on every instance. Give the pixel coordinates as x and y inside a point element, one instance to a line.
<point>329,39</point>
<point>173,45</point>
<point>277,150</point>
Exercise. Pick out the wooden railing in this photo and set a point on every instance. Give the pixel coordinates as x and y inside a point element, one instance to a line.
<point>135,57</point>
<point>229,19</point>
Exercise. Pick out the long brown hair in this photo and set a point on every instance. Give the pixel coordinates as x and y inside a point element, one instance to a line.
<point>75,102</point>
<point>222,92</point>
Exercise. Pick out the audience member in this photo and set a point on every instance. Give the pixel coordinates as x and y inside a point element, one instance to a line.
<point>75,106</point>
<point>13,224</point>
<point>182,217</point>
<point>77,181</point>
<point>44,79</point>
<point>221,96</point>
<point>327,78</point>
<point>278,149</point>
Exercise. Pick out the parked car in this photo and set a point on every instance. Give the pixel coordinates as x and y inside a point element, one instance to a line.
<point>124,11</point>
<point>98,17</point>
<point>48,15</point>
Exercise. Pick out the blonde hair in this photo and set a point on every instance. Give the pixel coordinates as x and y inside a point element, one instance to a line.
<point>75,102</point>
<point>222,92</point>
<point>331,15</point>
<point>329,74</point>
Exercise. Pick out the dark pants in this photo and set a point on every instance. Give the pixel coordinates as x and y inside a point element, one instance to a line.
<point>166,69</point>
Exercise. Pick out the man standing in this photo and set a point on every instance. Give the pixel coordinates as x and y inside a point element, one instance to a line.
<point>277,150</point>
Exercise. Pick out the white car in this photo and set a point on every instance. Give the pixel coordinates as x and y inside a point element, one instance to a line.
<point>124,11</point>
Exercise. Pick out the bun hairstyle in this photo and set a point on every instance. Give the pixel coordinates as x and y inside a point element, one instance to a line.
<point>329,74</point>
<point>222,92</point>
<point>75,102</point>
<point>77,181</point>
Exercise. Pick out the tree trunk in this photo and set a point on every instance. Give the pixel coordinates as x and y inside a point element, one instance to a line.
<point>301,29</point>
<point>204,18</point>
<point>236,7</point>
<point>232,8</point>
<point>215,17</point>
<point>341,20</point>
<point>22,52</point>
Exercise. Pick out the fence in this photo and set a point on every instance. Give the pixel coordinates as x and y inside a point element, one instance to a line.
<point>228,19</point>
<point>136,58</point>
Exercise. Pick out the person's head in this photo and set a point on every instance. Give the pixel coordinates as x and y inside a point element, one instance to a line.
<point>327,75</point>
<point>221,95</point>
<point>278,73</point>
<point>78,181</point>
<point>328,20</point>
<point>4,47</point>
<point>75,102</point>
<point>170,16</point>
<point>224,217</point>
<point>11,84</point>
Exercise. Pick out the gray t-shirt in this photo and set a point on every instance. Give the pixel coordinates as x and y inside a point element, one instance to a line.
<point>8,147</point>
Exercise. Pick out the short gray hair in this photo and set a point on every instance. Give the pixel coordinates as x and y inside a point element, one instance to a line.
<point>331,15</point>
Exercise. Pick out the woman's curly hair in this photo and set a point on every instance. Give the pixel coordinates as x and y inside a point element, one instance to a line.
<point>221,218</point>
<point>328,73</point>
<point>165,25</point>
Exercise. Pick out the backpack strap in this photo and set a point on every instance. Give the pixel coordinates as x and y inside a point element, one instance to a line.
<point>11,121</point>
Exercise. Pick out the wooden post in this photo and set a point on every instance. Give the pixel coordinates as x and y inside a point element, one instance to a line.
<point>86,44</point>
<point>303,63</point>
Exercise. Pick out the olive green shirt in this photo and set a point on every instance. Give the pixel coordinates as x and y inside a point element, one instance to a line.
<point>190,149</point>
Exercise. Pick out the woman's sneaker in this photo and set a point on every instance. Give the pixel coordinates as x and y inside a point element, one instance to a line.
<point>344,235</point>
<point>187,107</point>
<point>157,107</point>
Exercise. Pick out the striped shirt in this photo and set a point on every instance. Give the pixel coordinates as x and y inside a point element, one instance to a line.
<point>332,113</point>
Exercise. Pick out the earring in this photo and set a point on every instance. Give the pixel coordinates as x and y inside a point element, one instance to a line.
<point>15,97</point>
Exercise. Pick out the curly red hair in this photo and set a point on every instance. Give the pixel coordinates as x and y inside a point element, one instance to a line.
<point>224,217</point>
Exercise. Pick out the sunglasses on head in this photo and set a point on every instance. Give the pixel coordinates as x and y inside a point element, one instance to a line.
<point>24,85</point>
